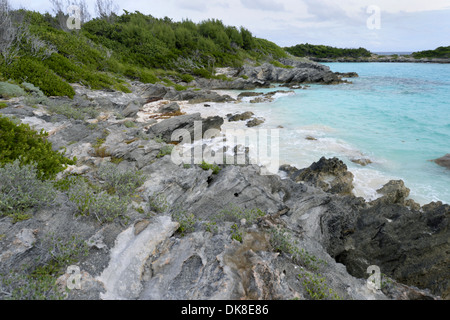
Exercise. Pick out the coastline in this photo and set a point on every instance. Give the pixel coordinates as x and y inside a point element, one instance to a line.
<point>225,257</point>
<point>376,58</point>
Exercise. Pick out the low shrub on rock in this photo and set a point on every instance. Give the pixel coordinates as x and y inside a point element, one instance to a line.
<point>19,141</point>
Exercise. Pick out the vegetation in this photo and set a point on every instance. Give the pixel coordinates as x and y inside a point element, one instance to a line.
<point>321,51</point>
<point>19,141</point>
<point>108,50</point>
<point>440,52</point>
<point>21,189</point>
<point>207,166</point>
<point>40,282</point>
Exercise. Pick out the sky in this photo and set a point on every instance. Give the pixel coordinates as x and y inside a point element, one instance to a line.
<point>377,25</point>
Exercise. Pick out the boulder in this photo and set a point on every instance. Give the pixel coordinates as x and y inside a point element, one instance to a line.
<point>131,110</point>
<point>331,175</point>
<point>255,122</point>
<point>444,161</point>
<point>241,116</point>
<point>165,128</point>
<point>169,108</point>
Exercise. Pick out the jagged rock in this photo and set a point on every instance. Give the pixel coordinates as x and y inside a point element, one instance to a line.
<point>329,174</point>
<point>444,161</point>
<point>361,161</point>
<point>241,116</point>
<point>393,192</point>
<point>165,128</point>
<point>299,74</point>
<point>255,122</point>
<point>123,275</point>
<point>169,108</point>
<point>131,110</point>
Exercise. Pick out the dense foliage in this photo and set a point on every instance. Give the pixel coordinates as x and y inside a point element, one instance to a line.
<point>106,52</point>
<point>441,52</point>
<point>20,142</point>
<point>321,51</point>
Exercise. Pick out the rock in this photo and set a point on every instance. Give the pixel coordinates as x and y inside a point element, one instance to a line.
<point>255,122</point>
<point>131,110</point>
<point>249,94</point>
<point>361,161</point>
<point>310,138</point>
<point>241,116</point>
<point>169,108</point>
<point>165,128</point>
<point>329,174</point>
<point>301,73</point>
<point>123,275</point>
<point>444,161</point>
<point>393,192</point>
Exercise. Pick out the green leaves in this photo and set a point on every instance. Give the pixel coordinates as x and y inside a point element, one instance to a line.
<point>21,142</point>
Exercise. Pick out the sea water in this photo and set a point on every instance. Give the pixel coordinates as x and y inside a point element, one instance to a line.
<point>397,115</point>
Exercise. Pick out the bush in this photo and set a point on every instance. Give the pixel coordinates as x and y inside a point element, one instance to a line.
<point>73,113</point>
<point>9,90</point>
<point>21,189</point>
<point>206,166</point>
<point>23,143</point>
<point>33,71</point>
<point>187,78</point>
<point>101,205</point>
<point>121,183</point>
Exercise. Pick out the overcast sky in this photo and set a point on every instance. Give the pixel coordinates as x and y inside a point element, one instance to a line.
<point>378,25</point>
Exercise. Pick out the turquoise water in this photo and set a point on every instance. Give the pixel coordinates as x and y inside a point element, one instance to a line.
<point>395,114</point>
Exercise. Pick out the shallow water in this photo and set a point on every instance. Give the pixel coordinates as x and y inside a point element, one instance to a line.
<point>395,114</point>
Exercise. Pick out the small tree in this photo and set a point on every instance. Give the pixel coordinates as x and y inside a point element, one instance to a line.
<point>106,10</point>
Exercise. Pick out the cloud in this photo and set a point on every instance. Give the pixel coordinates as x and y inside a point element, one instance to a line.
<point>265,5</point>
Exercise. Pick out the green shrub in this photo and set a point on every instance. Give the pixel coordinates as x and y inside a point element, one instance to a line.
<point>121,183</point>
<point>10,90</point>
<point>3,105</point>
<point>186,220</point>
<point>35,95</point>
<point>104,207</point>
<point>21,189</point>
<point>179,87</point>
<point>316,287</point>
<point>281,241</point>
<point>166,150</point>
<point>73,113</point>
<point>187,78</point>
<point>157,202</point>
<point>206,166</point>
<point>32,71</point>
<point>19,141</point>
<point>203,73</point>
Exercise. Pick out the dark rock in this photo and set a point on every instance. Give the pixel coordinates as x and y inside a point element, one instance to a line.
<point>329,174</point>
<point>249,94</point>
<point>393,192</point>
<point>255,122</point>
<point>444,161</point>
<point>131,110</point>
<point>167,127</point>
<point>241,116</point>
<point>169,108</point>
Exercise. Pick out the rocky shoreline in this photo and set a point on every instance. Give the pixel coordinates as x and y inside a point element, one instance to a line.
<point>381,58</point>
<point>230,232</point>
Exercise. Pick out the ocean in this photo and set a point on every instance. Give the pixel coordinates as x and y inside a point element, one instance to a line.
<point>397,115</point>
